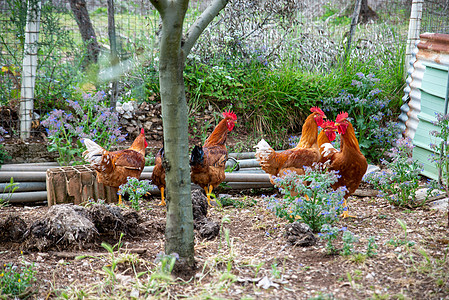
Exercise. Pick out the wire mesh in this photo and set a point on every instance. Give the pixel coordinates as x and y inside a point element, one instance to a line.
<point>312,34</point>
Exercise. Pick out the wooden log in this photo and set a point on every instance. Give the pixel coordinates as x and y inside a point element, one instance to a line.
<point>76,184</point>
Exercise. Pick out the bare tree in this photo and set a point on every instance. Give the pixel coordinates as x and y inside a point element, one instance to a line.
<point>174,49</point>
<point>86,29</point>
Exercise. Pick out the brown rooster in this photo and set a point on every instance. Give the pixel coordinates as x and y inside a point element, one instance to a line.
<point>304,154</point>
<point>158,176</point>
<point>326,136</point>
<point>207,163</point>
<point>349,161</point>
<point>114,168</point>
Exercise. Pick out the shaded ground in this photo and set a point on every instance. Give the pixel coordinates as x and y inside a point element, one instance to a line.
<point>256,250</point>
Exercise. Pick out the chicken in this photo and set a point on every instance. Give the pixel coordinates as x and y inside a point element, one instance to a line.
<point>349,161</point>
<point>114,168</point>
<point>326,136</point>
<point>207,163</point>
<point>304,154</point>
<point>158,176</point>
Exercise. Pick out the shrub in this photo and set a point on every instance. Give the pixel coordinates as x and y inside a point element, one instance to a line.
<point>136,189</point>
<point>324,204</point>
<point>370,113</point>
<point>87,118</point>
<point>399,184</point>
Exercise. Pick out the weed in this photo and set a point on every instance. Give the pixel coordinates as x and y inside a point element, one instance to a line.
<point>9,190</point>
<point>400,185</point>
<point>440,157</point>
<point>136,189</point>
<point>14,279</point>
<point>372,246</point>
<point>348,242</point>
<point>323,206</point>
<point>329,234</point>
<point>237,202</point>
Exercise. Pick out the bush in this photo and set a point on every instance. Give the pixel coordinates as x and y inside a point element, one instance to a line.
<point>89,117</point>
<point>370,113</point>
<point>323,206</point>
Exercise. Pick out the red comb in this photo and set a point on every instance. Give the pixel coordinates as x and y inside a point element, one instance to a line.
<point>328,124</point>
<point>341,116</point>
<point>317,110</point>
<point>142,131</point>
<point>229,114</point>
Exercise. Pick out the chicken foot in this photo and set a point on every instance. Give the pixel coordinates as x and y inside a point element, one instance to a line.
<point>345,213</point>
<point>208,193</point>
<point>162,198</point>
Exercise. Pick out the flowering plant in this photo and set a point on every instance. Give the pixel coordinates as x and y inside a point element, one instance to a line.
<point>370,113</point>
<point>136,189</point>
<point>441,149</point>
<point>323,205</point>
<point>87,118</point>
<point>399,182</point>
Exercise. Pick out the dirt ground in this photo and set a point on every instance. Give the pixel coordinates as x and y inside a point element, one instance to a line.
<point>256,262</point>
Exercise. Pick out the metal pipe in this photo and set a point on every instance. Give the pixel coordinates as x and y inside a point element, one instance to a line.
<point>26,197</point>
<point>27,167</point>
<point>24,187</point>
<point>22,176</point>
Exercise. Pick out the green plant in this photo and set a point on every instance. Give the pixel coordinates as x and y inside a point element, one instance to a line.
<point>111,268</point>
<point>274,270</point>
<point>9,190</point>
<point>323,206</point>
<point>399,242</point>
<point>15,280</point>
<point>440,157</point>
<point>399,185</point>
<point>330,234</point>
<point>166,262</point>
<point>87,118</point>
<point>348,242</point>
<point>371,248</point>
<point>136,189</point>
<point>368,108</point>
<point>237,202</point>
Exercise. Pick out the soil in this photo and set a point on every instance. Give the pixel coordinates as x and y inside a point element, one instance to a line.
<point>255,263</point>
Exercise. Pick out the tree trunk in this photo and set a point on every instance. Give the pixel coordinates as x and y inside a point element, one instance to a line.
<point>179,229</point>
<point>86,29</point>
<point>173,52</point>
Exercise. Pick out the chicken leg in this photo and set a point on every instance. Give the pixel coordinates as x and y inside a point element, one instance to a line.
<point>345,213</point>
<point>162,198</point>
<point>208,193</point>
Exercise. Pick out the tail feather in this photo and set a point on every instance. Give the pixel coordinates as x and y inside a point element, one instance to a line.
<point>197,156</point>
<point>94,152</point>
<point>263,150</point>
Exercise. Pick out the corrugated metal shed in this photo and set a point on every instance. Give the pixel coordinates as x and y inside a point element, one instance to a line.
<point>427,92</point>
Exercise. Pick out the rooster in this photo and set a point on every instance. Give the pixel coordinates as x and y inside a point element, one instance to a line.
<point>349,161</point>
<point>158,176</point>
<point>114,168</point>
<point>207,163</point>
<point>326,136</point>
<point>304,154</point>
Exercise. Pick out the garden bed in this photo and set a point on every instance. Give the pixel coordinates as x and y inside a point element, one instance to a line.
<point>257,262</point>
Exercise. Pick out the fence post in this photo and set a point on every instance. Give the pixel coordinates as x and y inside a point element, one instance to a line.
<point>355,19</point>
<point>114,55</point>
<point>29,67</point>
<point>414,28</point>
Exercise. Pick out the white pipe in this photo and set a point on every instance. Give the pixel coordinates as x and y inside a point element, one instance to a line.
<point>29,67</point>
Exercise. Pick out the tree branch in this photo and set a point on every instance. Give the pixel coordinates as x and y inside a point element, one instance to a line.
<point>201,23</point>
<point>159,5</point>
